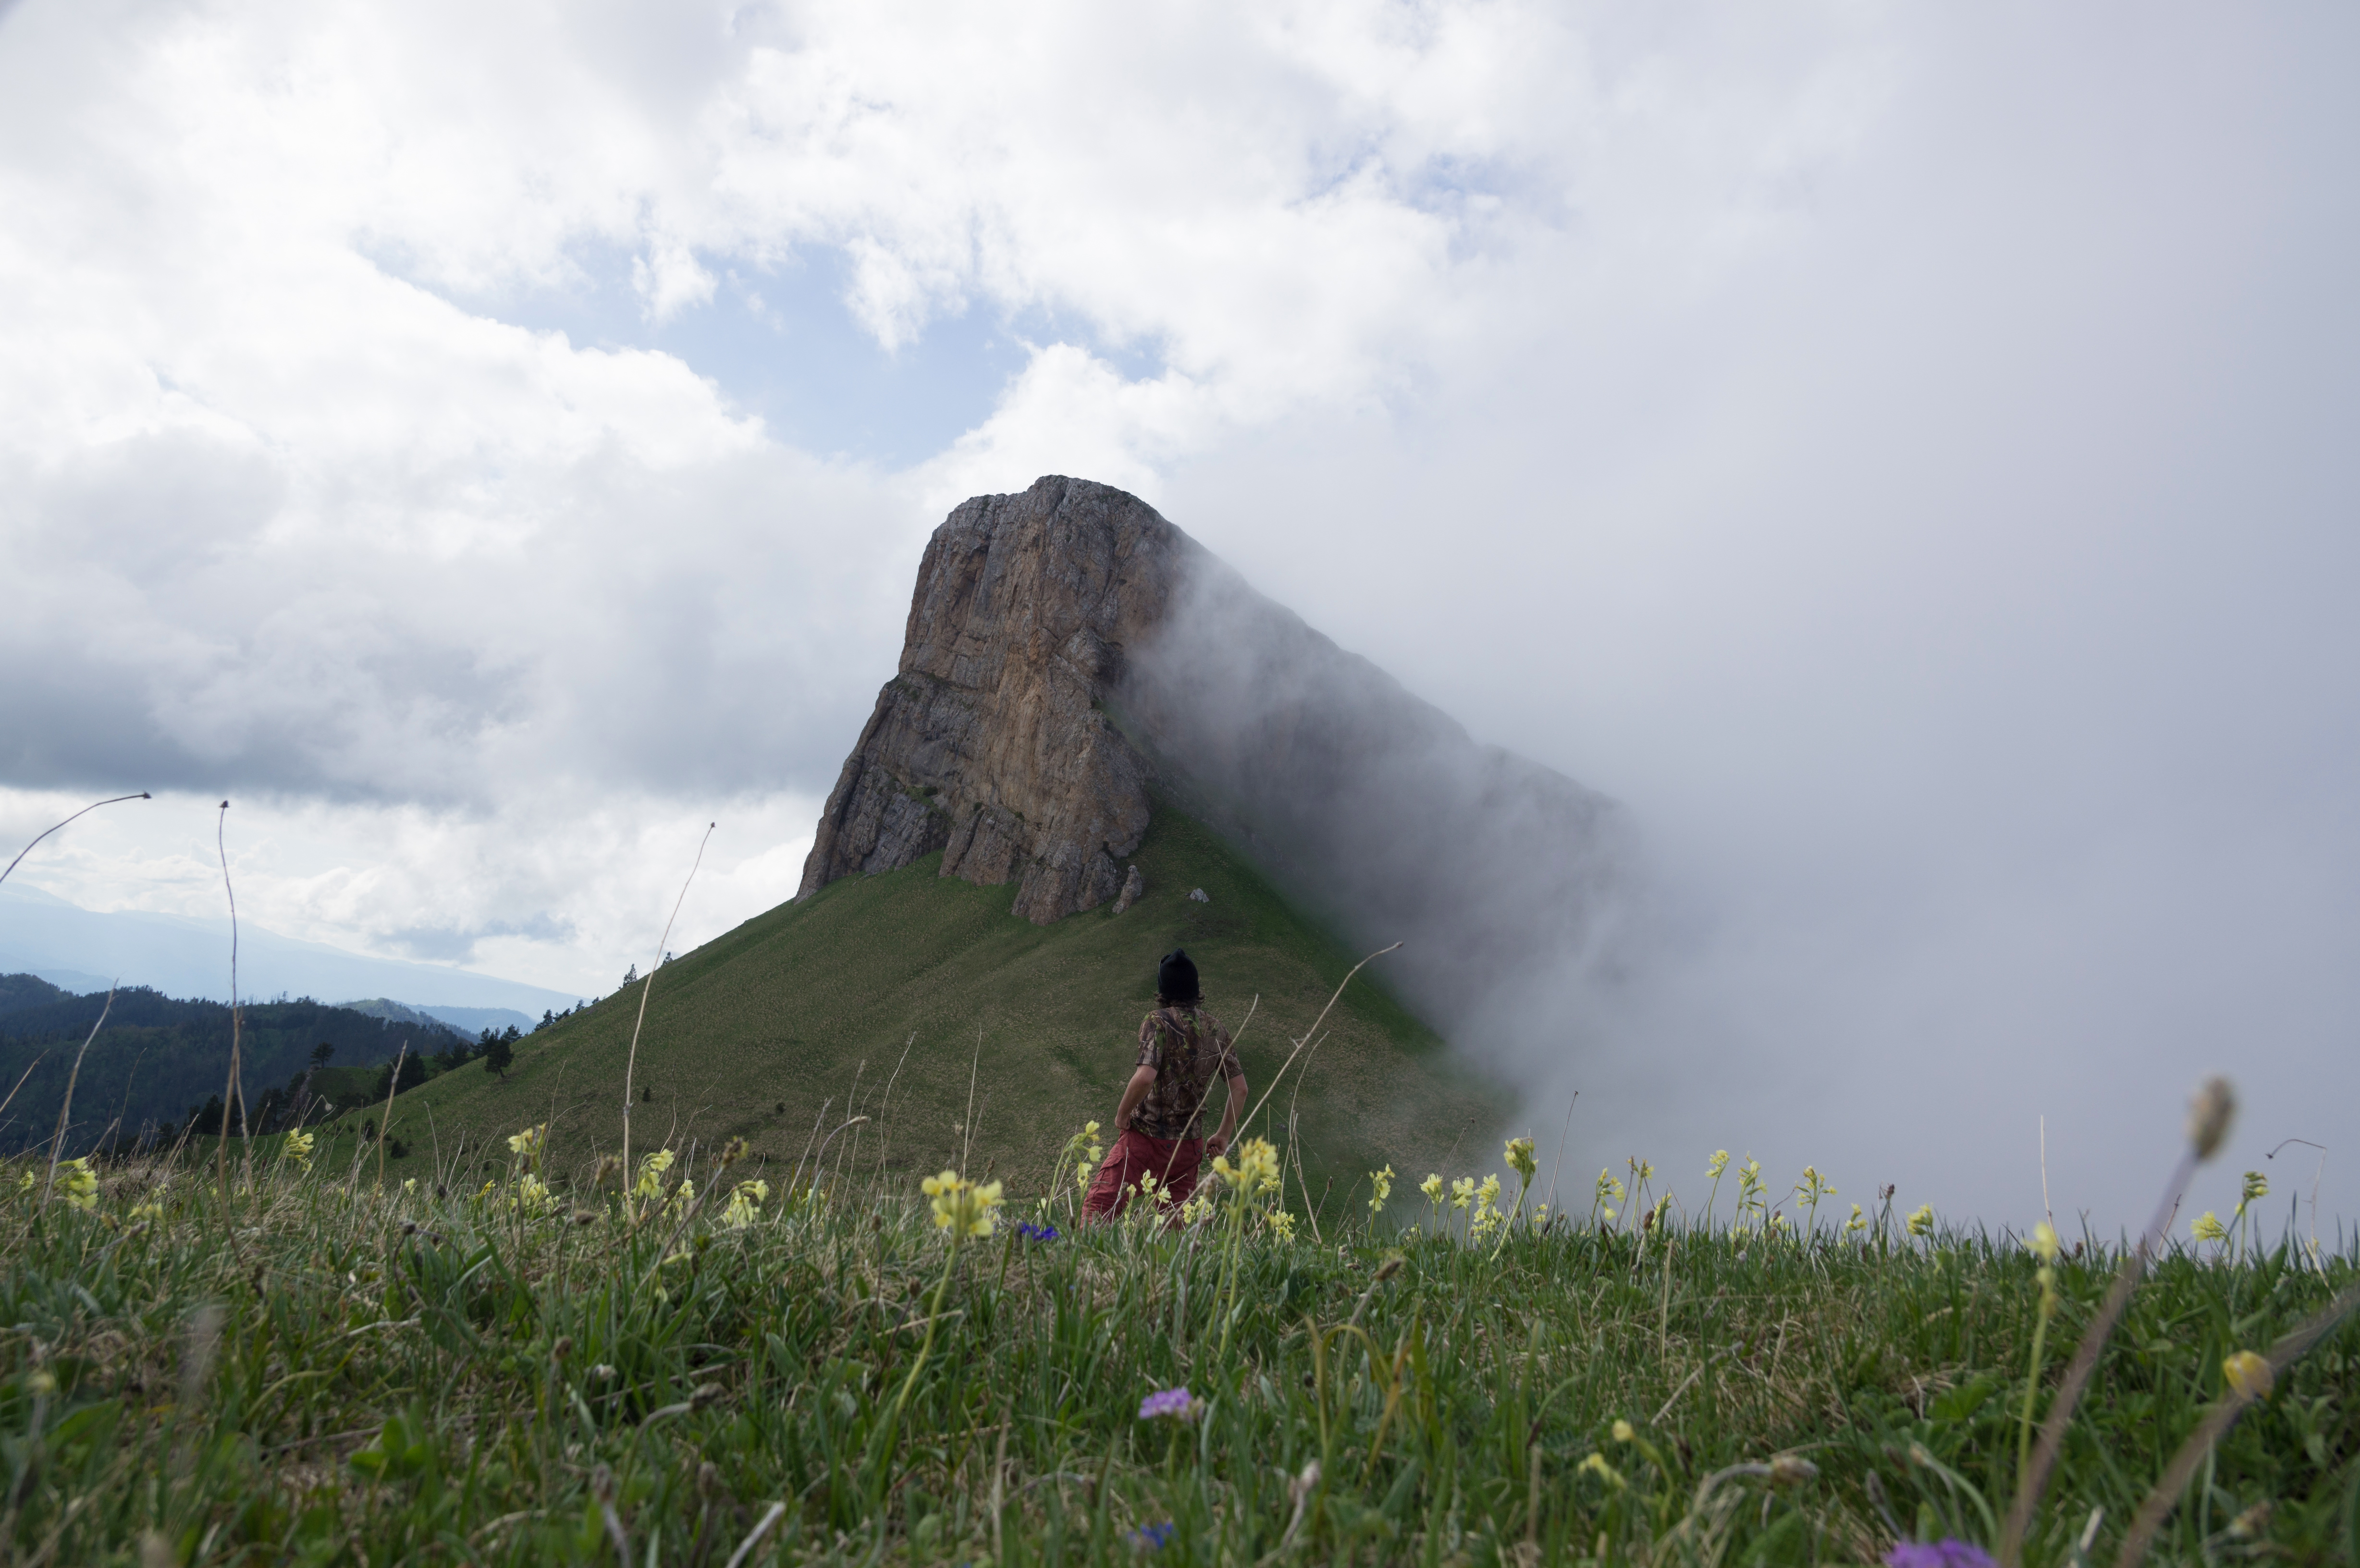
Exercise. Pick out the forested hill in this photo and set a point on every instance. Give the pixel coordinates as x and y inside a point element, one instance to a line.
<point>160,1058</point>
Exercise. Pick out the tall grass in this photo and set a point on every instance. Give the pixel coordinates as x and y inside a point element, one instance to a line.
<point>470,1368</point>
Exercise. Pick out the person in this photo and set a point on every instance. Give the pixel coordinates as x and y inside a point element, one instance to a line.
<point>1183,1052</point>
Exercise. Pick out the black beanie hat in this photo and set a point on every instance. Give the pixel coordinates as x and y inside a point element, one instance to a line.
<point>1176,977</point>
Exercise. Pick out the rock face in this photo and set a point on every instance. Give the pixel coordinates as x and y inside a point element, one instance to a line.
<point>1135,888</point>
<point>1067,647</point>
<point>990,743</point>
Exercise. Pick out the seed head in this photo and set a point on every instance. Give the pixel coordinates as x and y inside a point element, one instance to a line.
<point>2209,1115</point>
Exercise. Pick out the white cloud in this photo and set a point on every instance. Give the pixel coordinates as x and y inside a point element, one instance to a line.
<point>1894,451</point>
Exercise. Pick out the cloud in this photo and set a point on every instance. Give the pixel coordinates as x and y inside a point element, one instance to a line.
<point>1895,453</point>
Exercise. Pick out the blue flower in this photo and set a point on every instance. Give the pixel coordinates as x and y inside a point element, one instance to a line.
<point>1170,1402</point>
<point>1153,1537</point>
<point>1037,1233</point>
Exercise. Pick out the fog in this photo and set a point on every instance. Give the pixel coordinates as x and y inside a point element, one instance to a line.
<point>1898,458</point>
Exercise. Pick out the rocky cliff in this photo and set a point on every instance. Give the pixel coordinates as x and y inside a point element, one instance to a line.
<point>1068,648</point>
<point>989,743</point>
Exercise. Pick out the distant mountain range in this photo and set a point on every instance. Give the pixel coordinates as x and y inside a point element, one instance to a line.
<point>84,950</point>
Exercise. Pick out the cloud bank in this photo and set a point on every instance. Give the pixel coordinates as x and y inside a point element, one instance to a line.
<point>1895,454</point>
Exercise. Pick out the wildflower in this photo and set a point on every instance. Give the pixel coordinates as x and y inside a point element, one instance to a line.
<point>410,1184</point>
<point>1153,1537</point>
<point>1462,1191</point>
<point>652,1170</point>
<point>1199,1207</point>
<point>1488,1193</point>
<point>1282,1225</point>
<point>1608,1189</point>
<point>1946,1553</point>
<point>527,1142</point>
<point>42,1384</point>
<point>150,1210</point>
<point>1177,1403</point>
<point>1520,1158</point>
<point>682,1197</point>
<point>298,1148</point>
<point>1606,1472</point>
<point>735,1150</point>
<point>1921,1220</point>
<point>2207,1226</point>
<point>1432,1188</point>
<point>1380,1187</point>
<point>1622,1431</point>
<point>961,1206</point>
<point>1858,1220</point>
<point>2257,1186</point>
<point>2044,1241</point>
<point>78,1184</point>
<point>532,1197</point>
<point>2249,1376</point>
<point>1037,1232</point>
<point>745,1205</point>
<point>1719,1163</point>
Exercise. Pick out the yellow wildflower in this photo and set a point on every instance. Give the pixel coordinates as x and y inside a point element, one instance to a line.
<point>1921,1220</point>
<point>2207,1226</point>
<point>1432,1188</point>
<point>1606,1472</point>
<point>2044,1241</point>
<point>1622,1431</point>
<point>1282,1225</point>
<point>2249,1375</point>
<point>1380,1187</point>
<point>652,1170</point>
<point>528,1142</point>
<point>960,1206</point>
<point>298,1148</point>
<point>1719,1163</point>
<point>1462,1191</point>
<point>532,1197</point>
<point>2257,1186</point>
<point>1858,1220</point>
<point>1520,1158</point>
<point>78,1184</point>
<point>745,1205</point>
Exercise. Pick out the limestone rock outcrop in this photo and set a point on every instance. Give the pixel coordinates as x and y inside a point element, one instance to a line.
<point>1067,649</point>
<point>990,743</point>
<point>1135,888</point>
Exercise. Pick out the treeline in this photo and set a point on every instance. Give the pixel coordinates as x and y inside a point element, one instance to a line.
<point>161,1060</point>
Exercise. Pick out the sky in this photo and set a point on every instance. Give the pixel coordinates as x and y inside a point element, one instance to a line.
<point>1892,451</point>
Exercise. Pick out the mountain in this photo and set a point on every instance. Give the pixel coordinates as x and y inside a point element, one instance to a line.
<point>1069,654</point>
<point>1092,710</point>
<point>467,1020</point>
<point>180,956</point>
<point>158,1058</point>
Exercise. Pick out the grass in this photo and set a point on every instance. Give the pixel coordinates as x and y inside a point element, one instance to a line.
<point>323,1370</point>
<point>801,1018</point>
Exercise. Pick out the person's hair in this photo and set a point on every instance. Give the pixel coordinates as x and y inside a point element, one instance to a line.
<point>1175,980</point>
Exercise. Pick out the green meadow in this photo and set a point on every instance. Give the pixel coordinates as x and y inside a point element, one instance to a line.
<point>304,1365</point>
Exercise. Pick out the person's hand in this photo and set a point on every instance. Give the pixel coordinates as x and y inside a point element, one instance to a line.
<point>1216,1146</point>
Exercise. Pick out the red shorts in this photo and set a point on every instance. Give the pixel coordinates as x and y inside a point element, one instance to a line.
<point>1172,1161</point>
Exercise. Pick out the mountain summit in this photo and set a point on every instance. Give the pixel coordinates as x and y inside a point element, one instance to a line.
<point>1071,656</point>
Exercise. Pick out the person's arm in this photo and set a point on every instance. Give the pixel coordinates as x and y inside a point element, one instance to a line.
<point>1142,1080</point>
<point>1237,1106</point>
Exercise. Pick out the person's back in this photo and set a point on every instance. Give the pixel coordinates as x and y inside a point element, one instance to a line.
<point>1184,1055</point>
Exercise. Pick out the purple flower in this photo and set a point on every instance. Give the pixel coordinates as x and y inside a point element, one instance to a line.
<point>1153,1537</point>
<point>1946,1553</point>
<point>1175,1402</point>
<point>1037,1232</point>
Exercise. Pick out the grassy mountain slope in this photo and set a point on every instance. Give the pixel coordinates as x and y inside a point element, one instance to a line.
<point>814,1004</point>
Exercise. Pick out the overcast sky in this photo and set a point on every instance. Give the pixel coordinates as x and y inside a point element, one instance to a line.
<point>1904,453</point>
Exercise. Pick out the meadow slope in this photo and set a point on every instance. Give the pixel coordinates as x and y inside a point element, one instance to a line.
<point>916,983</point>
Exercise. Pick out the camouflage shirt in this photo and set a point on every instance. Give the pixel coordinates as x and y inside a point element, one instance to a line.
<point>1186,1047</point>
